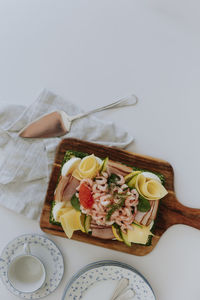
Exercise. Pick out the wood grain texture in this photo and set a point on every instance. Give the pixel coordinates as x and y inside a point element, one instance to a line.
<point>171,211</point>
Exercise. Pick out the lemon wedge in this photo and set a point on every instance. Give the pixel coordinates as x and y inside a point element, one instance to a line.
<point>116,234</point>
<point>70,166</point>
<point>71,222</point>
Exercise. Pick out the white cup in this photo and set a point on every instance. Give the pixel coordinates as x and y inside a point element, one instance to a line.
<point>26,272</point>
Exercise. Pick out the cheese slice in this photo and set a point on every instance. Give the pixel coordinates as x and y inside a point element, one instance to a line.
<point>149,188</point>
<point>71,222</point>
<point>139,234</point>
<point>77,174</point>
<point>88,166</point>
<point>62,211</point>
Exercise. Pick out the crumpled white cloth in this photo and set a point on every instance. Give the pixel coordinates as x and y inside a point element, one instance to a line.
<point>25,164</point>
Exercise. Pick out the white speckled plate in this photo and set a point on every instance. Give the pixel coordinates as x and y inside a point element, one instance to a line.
<point>46,251</point>
<point>102,274</point>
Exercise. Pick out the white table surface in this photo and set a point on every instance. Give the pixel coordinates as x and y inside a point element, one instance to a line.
<point>93,52</point>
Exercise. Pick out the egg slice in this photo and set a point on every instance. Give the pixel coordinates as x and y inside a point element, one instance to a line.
<point>151,176</point>
<point>99,160</point>
<point>70,166</point>
<point>56,209</point>
<point>60,209</point>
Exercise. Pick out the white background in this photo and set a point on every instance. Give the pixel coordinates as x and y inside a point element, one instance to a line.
<point>94,52</point>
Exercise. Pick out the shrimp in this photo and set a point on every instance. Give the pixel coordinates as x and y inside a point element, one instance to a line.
<point>105,174</point>
<point>121,181</point>
<point>105,200</point>
<point>96,195</point>
<point>124,186</point>
<point>95,188</point>
<point>100,180</point>
<point>102,188</point>
<point>120,191</point>
<point>131,201</point>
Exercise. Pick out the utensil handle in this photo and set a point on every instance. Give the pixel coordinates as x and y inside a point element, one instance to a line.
<point>27,249</point>
<point>181,214</point>
<point>128,101</point>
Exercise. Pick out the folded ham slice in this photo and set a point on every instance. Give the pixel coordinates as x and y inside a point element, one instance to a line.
<point>154,212</point>
<point>66,188</point>
<point>118,168</point>
<point>145,218</point>
<point>103,233</point>
<point>60,188</point>
<point>139,216</point>
<point>70,189</point>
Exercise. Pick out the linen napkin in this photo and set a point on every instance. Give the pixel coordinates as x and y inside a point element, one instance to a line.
<point>25,164</point>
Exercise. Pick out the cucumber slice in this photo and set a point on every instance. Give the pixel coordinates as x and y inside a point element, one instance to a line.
<point>82,219</point>
<point>131,175</point>
<point>125,238</point>
<point>116,233</point>
<point>87,223</point>
<point>131,183</point>
<point>104,165</point>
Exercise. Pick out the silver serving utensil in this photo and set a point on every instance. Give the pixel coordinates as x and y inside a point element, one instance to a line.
<point>127,295</point>
<point>121,286</point>
<point>58,123</point>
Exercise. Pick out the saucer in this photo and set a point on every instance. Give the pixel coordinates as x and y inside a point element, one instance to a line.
<point>100,279</point>
<point>46,251</point>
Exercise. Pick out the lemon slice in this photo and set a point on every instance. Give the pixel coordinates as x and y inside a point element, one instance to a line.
<point>70,166</point>
<point>116,234</point>
<point>70,222</point>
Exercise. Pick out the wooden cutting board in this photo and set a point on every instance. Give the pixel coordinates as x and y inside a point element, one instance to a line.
<point>171,211</point>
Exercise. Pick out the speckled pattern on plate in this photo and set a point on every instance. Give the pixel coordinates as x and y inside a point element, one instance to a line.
<point>46,251</point>
<point>107,270</point>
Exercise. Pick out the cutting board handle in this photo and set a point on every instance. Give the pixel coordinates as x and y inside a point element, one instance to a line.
<point>181,214</point>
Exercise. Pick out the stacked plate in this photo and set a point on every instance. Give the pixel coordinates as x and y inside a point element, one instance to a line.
<point>99,280</point>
